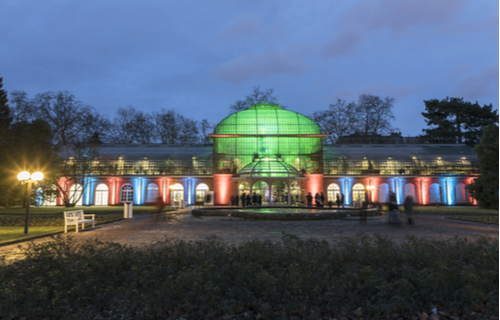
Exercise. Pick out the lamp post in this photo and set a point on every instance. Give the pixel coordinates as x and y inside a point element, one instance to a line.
<point>26,177</point>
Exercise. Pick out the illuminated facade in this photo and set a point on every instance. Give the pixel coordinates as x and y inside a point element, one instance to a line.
<point>280,155</point>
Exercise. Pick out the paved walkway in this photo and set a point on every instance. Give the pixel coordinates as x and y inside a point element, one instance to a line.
<point>149,228</point>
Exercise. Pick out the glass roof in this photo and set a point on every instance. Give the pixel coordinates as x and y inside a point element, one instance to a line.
<point>268,167</point>
<point>153,152</point>
<point>267,120</point>
<point>450,152</point>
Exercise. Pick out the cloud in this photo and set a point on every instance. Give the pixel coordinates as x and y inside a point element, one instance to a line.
<point>395,15</point>
<point>477,85</point>
<point>272,61</point>
<point>242,27</point>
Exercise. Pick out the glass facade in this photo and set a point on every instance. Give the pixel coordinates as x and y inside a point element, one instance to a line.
<point>267,131</point>
<point>399,160</point>
<point>267,141</point>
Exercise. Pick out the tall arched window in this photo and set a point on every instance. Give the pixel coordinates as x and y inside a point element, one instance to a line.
<point>127,193</point>
<point>176,193</point>
<point>358,194</point>
<point>279,192</point>
<point>201,192</point>
<point>410,190</point>
<point>262,188</point>
<point>461,194</point>
<point>152,192</point>
<point>101,195</point>
<point>333,190</point>
<point>383,193</point>
<point>435,193</point>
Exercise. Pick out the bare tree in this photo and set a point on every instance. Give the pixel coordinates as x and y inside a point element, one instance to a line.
<point>337,121</point>
<point>75,168</point>
<point>21,107</point>
<point>64,113</point>
<point>166,126</point>
<point>132,126</point>
<point>174,128</point>
<point>205,127</point>
<point>256,96</point>
<point>188,130</point>
<point>374,114</point>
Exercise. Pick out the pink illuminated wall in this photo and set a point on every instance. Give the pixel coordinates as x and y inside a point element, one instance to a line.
<point>314,184</point>
<point>222,188</point>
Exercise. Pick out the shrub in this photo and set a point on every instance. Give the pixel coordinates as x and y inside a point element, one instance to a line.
<point>210,279</point>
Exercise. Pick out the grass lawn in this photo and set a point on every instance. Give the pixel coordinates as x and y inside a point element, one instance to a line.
<point>86,209</point>
<point>50,219</point>
<point>13,233</point>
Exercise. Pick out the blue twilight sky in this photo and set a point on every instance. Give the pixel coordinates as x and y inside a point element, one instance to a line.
<point>198,57</point>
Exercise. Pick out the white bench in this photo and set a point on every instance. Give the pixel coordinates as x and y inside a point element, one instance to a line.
<point>76,218</point>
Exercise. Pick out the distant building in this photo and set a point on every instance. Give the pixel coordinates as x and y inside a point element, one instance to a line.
<point>280,155</point>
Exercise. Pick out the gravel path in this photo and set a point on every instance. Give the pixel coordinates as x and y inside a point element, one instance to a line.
<point>149,228</point>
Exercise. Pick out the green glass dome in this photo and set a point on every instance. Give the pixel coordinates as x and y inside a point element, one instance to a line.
<point>269,119</point>
<point>268,168</point>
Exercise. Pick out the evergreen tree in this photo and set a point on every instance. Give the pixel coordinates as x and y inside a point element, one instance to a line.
<point>485,187</point>
<point>457,121</point>
<point>5,117</point>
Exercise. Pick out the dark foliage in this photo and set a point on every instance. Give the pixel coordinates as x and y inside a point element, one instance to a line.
<point>293,279</point>
<point>485,187</point>
<point>457,120</point>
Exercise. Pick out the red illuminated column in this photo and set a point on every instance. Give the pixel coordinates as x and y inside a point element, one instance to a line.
<point>166,194</point>
<point>64,186</point>
<point>222,188</point>
<point>314,184</point>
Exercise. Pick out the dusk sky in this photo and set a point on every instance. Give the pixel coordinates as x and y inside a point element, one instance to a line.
<point>199,57</point>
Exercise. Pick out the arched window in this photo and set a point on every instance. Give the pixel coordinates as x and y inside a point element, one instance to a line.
<point>383,193</point>
<point>75,194</point>
<point>410,190</point>
<point>101,195</point>
<point>434,193</point>
<point>127,193</point>
<point>152,192</point>
<point>279,192</point>
<point>262,188</point>
<point>358,194</point>
<point>176,193</point>
<point>461,194</point>
<point>244,187</point>
<point>333,190</point>
<point>201,192</point>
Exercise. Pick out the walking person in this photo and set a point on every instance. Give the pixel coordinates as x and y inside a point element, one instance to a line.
<point>243,199</point>
<point>322,198</point>
<point>254,200</point>
<point>309,200</point>
<point>408,205</point>
<point>338,201</point>
<point>342,201</point>
<point>317,200</point>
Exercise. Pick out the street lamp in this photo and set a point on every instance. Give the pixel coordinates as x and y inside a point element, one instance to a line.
<point>26,177</point>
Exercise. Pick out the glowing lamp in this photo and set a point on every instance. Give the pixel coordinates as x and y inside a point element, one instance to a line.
<point>37,176</point>
<point>25,175</point>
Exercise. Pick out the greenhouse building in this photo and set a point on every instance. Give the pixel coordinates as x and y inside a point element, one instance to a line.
<point>280,155</point>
